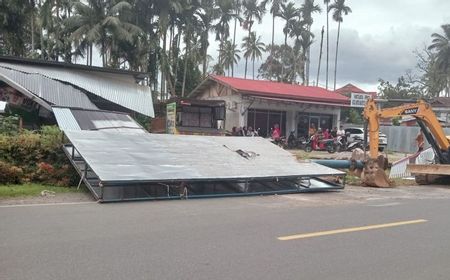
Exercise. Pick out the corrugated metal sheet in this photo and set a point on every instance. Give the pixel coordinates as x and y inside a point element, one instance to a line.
<point>117,88</point>
<point>77,119</point>
<point>65,119</point>
<point>54,92</point>
<point>123,158</point>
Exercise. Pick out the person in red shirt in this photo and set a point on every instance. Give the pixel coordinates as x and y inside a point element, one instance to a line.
<point>276,132</point>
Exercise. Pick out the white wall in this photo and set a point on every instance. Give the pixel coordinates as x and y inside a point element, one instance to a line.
<point>237,108</point>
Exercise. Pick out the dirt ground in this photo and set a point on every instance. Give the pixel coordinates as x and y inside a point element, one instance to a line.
<point>301,154</point>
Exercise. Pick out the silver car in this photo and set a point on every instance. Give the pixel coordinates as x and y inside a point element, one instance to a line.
<point>353,132</point>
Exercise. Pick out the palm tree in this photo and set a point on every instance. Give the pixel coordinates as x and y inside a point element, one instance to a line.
<point>230,56</point>
<point>339,10</point>
<point>289,13</point>
<point>441,45</point>
<point>253,48</point>
<point>275,10</point>
<point>95,22</point>
<point>209,15</point>
<point>237,17</point>
<point>327,2</point>
<point>252,11</point>
<point>222,27</point>
<point>307,9</point>
<point>303,40</point>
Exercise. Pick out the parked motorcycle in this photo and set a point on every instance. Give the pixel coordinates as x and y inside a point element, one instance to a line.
<point>342,145</point>
<point>294,142</point>
<point>320,145</point>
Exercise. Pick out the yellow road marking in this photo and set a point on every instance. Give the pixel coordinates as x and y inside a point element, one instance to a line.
<point>345,230</point>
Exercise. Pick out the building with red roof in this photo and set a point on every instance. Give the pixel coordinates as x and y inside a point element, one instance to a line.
<point>262,104</point>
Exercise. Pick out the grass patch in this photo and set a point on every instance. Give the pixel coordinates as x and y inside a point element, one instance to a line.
<point>11,191</point>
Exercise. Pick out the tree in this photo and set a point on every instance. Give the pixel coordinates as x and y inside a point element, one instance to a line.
<point>222,27</point>
<point>275,10</point>
<point>401,90</point>
<point>339,10</point>
<point>303,40</point>
<point>99,23</point>
<point>281,67</point>
<point>289,13</point>
<point>253,48</point>
<point>307,9</point>
<point>327,2</point>
<point>441,46</point>
<point>230,56</point>
<point>252,11</point>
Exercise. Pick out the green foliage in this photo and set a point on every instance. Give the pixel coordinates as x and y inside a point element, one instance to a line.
<point>38,155</point>
<point>402,90</point>
<point>9,125</point>
<point>10,173</point>
<point>355,116</point>
<point>396,121</point>
<point>11,191</point>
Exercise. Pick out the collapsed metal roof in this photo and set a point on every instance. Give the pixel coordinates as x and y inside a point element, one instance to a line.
<point>118,88</point>
<point>51,91</point>
<point>126,166</point>
<point>79,119</point>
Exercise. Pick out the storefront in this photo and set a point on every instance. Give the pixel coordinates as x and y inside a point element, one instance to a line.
<point>263,104</point>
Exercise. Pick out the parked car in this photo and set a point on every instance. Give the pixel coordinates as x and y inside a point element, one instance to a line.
<point>353,132</point>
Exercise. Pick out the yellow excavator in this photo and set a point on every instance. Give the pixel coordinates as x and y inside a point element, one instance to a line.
<point>374,174</point>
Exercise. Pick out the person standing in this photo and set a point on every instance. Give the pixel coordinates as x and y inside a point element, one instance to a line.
<point>420,140</point>
<point>276,132</point>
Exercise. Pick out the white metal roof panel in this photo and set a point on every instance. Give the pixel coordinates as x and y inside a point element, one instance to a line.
<point>117,88</point>
<point>124,157</point>
<point>78,119</point>
<point>54,92</point>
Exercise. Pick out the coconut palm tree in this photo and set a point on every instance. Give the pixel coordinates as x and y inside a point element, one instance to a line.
<point>96,22</point>
<point>252,11</point>
<point>222,27</point>
<point>307,9</point>
<point>289,13</point>
<point>230,56</point>
<point>275,10</point>
<point>327,2</point>
<point>339,10</point>
<point>253,49</point>
<point>303,40</point>
<point>441,45</point>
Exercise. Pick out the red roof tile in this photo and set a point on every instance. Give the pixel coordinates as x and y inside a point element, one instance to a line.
<point>349,88</point>
<point>282,90</point>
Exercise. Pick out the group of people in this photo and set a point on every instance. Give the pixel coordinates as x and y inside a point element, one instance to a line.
<point>244,131</point>
<point>319,136</point>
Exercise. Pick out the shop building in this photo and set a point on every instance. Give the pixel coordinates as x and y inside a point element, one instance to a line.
<point>262,104</point>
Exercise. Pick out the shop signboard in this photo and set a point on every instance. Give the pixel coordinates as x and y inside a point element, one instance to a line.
<point>171,116</point>
<point>359,99</point>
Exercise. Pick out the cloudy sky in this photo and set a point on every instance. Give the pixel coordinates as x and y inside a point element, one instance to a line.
<point>377,39</point>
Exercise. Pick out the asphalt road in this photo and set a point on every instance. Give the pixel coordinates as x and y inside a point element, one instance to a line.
<point>230,238</point>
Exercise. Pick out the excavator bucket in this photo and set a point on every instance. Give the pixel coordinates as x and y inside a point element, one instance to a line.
<point>374,175</point>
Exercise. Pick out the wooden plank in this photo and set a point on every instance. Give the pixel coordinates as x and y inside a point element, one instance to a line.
<point>434,169</point>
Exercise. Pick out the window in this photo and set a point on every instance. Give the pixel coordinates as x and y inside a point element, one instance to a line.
<point>264,121</point>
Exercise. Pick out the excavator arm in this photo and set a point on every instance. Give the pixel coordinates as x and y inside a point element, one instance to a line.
<point>374,174</point>
<point>424,115</point>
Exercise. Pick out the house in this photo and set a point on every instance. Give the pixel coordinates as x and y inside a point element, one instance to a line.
<point>262,104</point>
<point>32,87</point>
<point>348,89</point>
<point>441,107</point>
